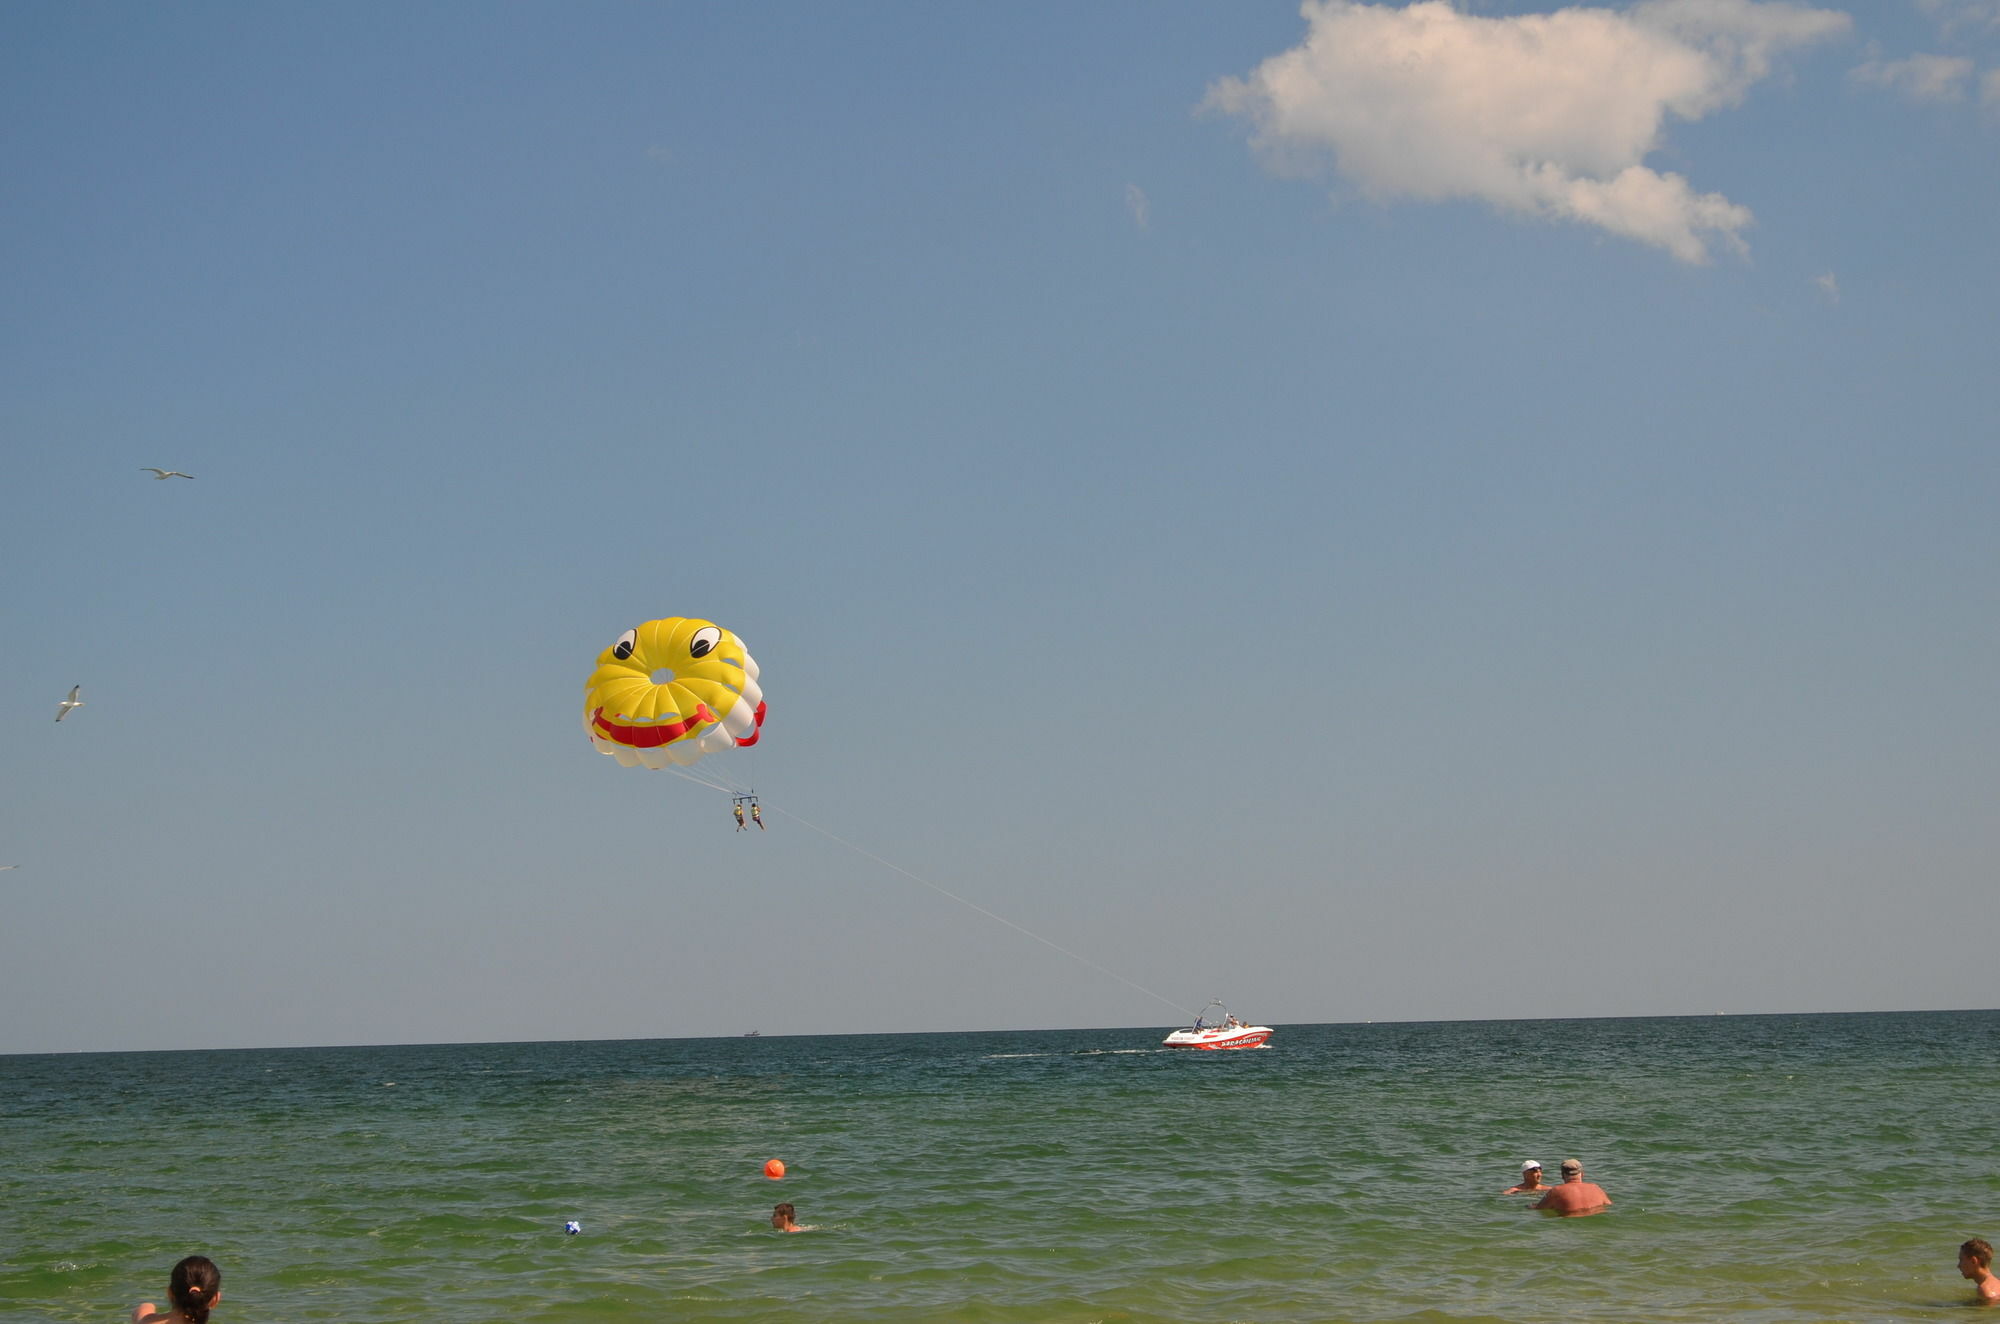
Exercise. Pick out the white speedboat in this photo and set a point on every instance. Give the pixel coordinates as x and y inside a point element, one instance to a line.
<point>1216,1028</point>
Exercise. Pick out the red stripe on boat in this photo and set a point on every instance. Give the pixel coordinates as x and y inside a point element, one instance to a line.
<point>1237,1041</point>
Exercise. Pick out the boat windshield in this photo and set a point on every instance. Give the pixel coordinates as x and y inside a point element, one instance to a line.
<point>1214,1016</point>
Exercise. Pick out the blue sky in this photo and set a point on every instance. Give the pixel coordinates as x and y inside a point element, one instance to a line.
<point>1366,512</point>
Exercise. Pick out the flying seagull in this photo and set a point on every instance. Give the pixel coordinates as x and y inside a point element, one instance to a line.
<point>164,473</point>
<point>62,709</point>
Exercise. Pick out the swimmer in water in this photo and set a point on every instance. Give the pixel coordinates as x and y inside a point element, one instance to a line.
<point>784,1218</point>
<point>196,1284</point>
<point>1975,1261</point>
<point>1575,1198</point>
<point>1531,1180</point>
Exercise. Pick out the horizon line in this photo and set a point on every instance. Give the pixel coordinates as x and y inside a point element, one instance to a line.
<point>1058,1029</point>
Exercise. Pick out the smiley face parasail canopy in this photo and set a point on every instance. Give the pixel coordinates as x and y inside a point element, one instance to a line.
<point>671,692</point>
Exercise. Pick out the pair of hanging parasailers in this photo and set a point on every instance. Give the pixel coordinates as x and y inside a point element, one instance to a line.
<point>756,812</point>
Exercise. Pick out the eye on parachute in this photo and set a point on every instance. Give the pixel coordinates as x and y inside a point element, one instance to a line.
<point>671,691</point>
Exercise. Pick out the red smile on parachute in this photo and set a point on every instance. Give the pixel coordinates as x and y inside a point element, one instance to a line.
<point>647,737</point>
<point>650,737</point>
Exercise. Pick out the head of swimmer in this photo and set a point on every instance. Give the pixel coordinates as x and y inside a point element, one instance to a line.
<point>196,1285</point>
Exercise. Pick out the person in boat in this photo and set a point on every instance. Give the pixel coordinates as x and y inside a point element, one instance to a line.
<point>757,815</point>
<point>785,1218</point>
<point>1531,1181</point>
<point>739,816</point>
<point>1230,1022</point>
<point>1575,1197</point>
<point>1975,1261</point>
<point>194,1286</point>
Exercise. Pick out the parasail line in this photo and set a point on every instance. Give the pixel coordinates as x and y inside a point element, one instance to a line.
<point>973,905</point>
<point>721,783</point>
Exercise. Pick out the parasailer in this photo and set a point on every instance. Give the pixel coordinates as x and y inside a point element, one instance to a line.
<point>670,692</point>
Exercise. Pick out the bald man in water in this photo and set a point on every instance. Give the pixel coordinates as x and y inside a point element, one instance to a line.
<point>1575,1197</point>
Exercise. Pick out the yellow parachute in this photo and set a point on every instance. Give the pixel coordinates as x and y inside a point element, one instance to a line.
<point>670,691</point>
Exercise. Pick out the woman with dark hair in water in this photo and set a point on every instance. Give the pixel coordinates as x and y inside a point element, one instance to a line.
<point>195,1286</point>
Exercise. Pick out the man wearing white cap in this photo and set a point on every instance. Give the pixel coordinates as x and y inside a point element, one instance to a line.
<point>1575,1196</point>
<point>1531,1180</point>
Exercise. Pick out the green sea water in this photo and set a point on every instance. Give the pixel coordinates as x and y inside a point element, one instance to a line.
<point>1764,1168</point>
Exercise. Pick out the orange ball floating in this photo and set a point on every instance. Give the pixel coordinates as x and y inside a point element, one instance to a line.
<point>774,1168</point>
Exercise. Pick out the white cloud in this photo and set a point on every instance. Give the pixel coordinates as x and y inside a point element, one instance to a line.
<point>1548,115</point>
<point>1955,16</point>
<point>1989,88</point>
<point>1135,202</point>
<point>1919,77</point>
<point>1828,286</point>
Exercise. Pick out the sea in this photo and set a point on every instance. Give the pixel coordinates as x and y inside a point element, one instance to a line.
<point>1762,1168</point>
